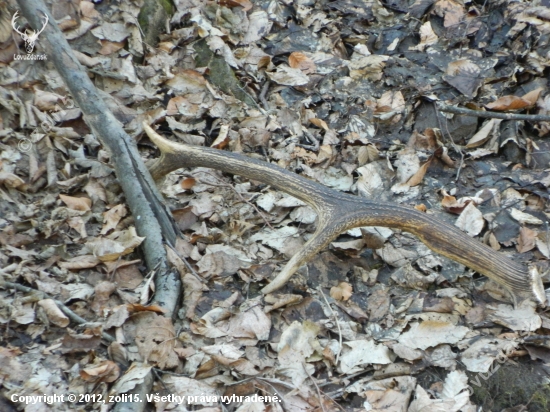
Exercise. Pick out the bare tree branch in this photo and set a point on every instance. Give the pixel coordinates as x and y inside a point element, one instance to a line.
<point>492,115</point>
<point>152,219</point>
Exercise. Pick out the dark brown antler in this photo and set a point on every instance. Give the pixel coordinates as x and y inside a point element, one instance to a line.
<point>338,212</point>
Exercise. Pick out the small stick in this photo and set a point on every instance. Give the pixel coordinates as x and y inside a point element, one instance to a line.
<point>70,314</point>
<point>493,115</point>
<point>223,184</point>
<point>321,403</point>
<point>263,94</point>
<point>455,146</point>
<point>186,263</point>
<point>337,324</point>
<point>314,147</point>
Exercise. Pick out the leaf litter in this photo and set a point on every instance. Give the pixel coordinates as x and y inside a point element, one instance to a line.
<point>341,92</point>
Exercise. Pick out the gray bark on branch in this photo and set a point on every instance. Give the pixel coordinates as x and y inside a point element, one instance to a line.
<point>152,219</point>
<point>492,115</point>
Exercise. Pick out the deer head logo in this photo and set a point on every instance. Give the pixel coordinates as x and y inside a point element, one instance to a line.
<point>29,36</point>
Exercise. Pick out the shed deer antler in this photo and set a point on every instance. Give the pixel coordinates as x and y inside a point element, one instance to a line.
<point>29,36</point>
<point>338,212</point>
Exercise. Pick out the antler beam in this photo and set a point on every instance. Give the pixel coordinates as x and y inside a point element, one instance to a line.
<point>338,212</point>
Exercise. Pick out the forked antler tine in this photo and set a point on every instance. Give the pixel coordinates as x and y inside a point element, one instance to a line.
<point>338,212</point>
<point>46,19</point>
<point>314,245</point>
<point>15,15</point>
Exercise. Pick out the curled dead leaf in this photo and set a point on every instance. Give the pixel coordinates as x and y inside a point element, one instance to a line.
<point>508,103</point>
<point>54,314</point>
<point>82,204</point>
<point>419,175</point>
<point>452,205</point>
<point>105,371</point>
<point>341,292</point>
<point>298,60</point>
<point>188,183</point>
<point>319,123</point>
<point>11,180</point>
<point>245,4</point>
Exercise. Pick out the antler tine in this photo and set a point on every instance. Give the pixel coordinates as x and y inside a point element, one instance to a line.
<point>13,22</point>
<point>338,212</point>
<point>46,20</point>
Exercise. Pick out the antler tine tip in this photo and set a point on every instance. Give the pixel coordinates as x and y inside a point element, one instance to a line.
<point>165,146</point>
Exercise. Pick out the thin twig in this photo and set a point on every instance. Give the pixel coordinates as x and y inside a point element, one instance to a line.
<point>455,146</point>
<point>222,184</point>
<point>186,263</point>
<point>316,387</point>
<point>337,324</point>
<point>492,115</point>
<point>151,216</point>
<point>70,314</point>
<point>314,146</point>
<point>319,393</point>
<point>279,394</point>
<point>263,94</point>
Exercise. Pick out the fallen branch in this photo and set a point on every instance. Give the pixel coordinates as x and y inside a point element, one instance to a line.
<point>43,295</point>
<point>492,115</point>
<point>152,219</point>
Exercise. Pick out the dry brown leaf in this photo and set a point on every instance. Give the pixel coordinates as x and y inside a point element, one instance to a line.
<point>287,76</point>
<point>264,62</point>
<point>80,262</point>
<point>173,104</point>
<point>524,218</point>
<point>54,314</point>
<point>471,220</point>
<point>508,103</point>
<point>487,131</point>
<point>452,12</point>
<point>166,46</point>
<point>325,153</point>
<point>188,183</point>
<point>82,204</point>
<point>533,96</point>
<point>419,175</point>
<point>452,205</point>
<point>341,292</point>
<point>116,245</point>
<point>527,240</point>
<point>155,339</point>
<point>110,47</point>
<point>464,75</point>
<point>105,371</point>
<point>319,123</point>
<point>427,37</point>
<point>543,244</point>
<point>134,307</point>
<point>493,242</point>
<point>223,138</point>
<point>112,217</point>
<point>11,180</point>
<point>47,101</point>
<point>298,60</point>
<point>390,101</point>
<point>245,4</point>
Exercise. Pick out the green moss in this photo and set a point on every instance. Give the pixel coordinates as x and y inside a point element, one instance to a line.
<point>152,19</point>
<point>512,385</point>
<point>221,74</point>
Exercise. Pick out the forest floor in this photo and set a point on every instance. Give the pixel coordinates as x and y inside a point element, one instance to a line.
<point>344,92</point>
